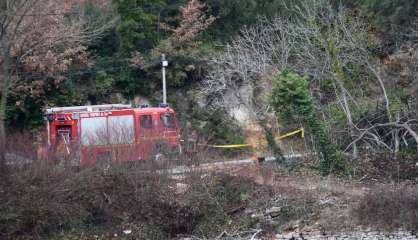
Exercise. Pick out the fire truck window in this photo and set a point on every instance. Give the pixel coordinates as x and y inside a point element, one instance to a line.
<point>64,134</point>
<point>121,129</point>
<point>168,120</point>
<point>146,121</point>
<point>93,131</point>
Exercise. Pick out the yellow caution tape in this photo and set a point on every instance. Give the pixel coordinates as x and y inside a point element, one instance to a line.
<point>300,130</point>
<point>230,146</point>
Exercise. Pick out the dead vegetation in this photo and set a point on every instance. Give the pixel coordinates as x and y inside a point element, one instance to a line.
<point>146,202</point>
<point>51,202</point>
<point>388,208</point>
<point>385,167</point>
<point>152,201</point>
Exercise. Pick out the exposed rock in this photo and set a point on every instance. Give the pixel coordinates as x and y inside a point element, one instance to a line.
<point>273,212</point>
<point>181,188</point>
<point>139,100</point>
<point>257,215</point>
<point>355,234</point>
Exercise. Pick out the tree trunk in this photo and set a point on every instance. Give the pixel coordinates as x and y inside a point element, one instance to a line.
<point>2,130</point>
<point>338,79</point>
<point>382,86</point>
<point>346,108</point>
<point>275,149</point>
<point>3,102</point>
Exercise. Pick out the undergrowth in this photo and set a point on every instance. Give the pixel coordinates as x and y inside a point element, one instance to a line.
<point>42,202</point>
<point>388,208</point>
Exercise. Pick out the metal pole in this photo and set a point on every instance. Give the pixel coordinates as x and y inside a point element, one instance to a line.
<point>49,132</point>
<point>164,64</point>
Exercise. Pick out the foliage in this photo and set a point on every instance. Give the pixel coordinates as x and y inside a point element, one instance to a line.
<point>233,15</point>
<point>40,41</point>
<point>192,21</point>
<point>389,16</point>
<point>183,46</point>
<point>217,126</point>
<point>138,23</point>
<point>332,46</point>
<point>291,99</point>
<point>332,43</point>
<point>290,96</point>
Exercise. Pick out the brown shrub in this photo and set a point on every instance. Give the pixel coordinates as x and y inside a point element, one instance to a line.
<point>41,200</point>
<point>384,167</point>
<point>20,148</point>
<point>389,207</point>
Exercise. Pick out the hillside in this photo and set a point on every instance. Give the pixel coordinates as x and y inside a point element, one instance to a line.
<point>341,76</point>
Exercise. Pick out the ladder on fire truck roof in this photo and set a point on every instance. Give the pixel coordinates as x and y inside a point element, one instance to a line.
<point>91,108</point>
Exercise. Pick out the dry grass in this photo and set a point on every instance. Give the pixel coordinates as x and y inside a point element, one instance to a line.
<point>385,167</point>
<point>389,207</point>
<point>39,201</point>
<point>42,201</point>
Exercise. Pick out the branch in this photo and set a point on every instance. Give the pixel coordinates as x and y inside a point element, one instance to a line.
<point>405,126</point>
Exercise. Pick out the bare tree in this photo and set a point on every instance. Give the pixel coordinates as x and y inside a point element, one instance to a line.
<point>43,36</point>
<point>319,41</point>
<point>239,76</point>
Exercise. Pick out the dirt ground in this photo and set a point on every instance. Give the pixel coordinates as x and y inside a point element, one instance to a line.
<point>328,203</point>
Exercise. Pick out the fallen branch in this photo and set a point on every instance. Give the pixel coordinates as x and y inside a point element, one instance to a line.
<point>405,126</point>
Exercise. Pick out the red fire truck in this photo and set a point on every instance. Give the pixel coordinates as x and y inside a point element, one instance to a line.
<point>86,135</point>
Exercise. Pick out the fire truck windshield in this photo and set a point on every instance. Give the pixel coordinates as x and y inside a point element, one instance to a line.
<point>168,120</point>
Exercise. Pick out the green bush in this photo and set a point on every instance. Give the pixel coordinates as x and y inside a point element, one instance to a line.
<point>388,14</point>
<point>291,100</point>
<point>217,126</point>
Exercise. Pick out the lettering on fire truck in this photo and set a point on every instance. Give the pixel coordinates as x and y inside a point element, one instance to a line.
<point>95,114</point>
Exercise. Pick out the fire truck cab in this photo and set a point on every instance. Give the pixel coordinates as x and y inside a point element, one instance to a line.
<point>86,135</point>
